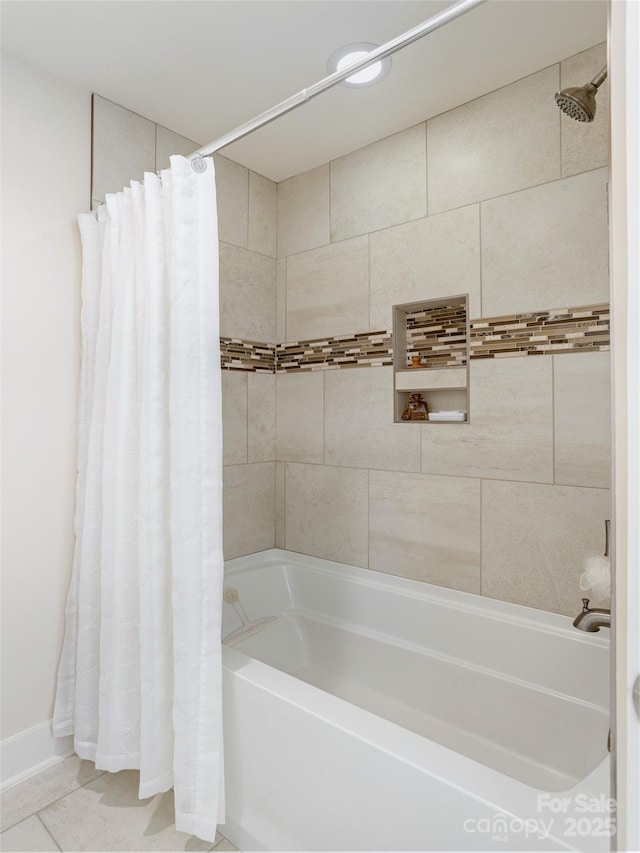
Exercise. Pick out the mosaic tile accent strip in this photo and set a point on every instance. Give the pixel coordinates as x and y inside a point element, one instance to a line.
<point>236,354</point>
<point>542,333</point>
<point>438,336</point>
<point>584,329</point>
<point>368,349</point>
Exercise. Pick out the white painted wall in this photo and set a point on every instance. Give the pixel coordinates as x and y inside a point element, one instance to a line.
<point>46,127</point>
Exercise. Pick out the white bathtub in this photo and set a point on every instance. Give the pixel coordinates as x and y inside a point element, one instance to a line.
<point>378,713</point>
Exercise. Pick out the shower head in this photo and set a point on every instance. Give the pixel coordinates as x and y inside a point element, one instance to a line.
<point>579,102</point>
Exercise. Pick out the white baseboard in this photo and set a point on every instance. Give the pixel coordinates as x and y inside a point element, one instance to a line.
<point>29,752</point>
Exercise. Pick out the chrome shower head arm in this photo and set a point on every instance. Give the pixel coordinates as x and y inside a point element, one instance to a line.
<point>599,79</point>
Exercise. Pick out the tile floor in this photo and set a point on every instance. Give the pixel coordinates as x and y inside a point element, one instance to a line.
<point>73,806</point>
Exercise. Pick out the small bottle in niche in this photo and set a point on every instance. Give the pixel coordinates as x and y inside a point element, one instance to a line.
<point>416,409</point>
<point>415,361</point>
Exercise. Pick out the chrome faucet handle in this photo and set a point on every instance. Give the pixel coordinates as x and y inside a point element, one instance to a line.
<point>585,605</point>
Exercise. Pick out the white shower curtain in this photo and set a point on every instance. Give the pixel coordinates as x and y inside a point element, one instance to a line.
<point>139,684</point>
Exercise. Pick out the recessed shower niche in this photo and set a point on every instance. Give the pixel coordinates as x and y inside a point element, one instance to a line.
<point>431,361</point>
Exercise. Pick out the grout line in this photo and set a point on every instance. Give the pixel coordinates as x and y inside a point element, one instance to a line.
<point>46,829</point>
<point>275,503</point>
<point>369,279</point>
<point>286,471</point>
<point>368,518</point>
<point>481,542</point>
<point>93,151</point>
<point>479,270</point>
<point>224,840</point>
<point>553,419</point>
<point>247,433</point>
<point>155,149</point>
<point>248,207</point>
<point>324,420</point>
<point>277,220</point>
<point>426,168</point>
<point>275,391</point>
<point>286,296</point>
<point>245,249</point>
<point>413,472</point>
<point>284,514</point>
<point>560,119</point>
<point>330,165</point>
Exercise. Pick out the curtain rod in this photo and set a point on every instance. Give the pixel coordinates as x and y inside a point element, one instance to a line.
<point>305,95</point>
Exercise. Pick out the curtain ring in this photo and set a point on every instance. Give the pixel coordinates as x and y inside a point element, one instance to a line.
<point>198,164</point>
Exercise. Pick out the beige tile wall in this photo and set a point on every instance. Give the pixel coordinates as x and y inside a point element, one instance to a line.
<point>303,212</point>
<point>300,417</point>
<point>249,508</point>
<point>510,436</point>
<point>327,290</point>
<point>326,512</point>
<point>426,527</point>
<point>247,231</point>
<point>533,539</point>
<point>505,204</point>
<point>380,185</point>
<point>358,422</point>
<point>497,144</point>
<point>582,421</point>
<point>509,206</point>
<point>439,255</point>
<point>546,246</point>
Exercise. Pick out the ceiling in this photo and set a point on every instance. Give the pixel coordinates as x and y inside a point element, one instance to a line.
<point>201,68</point>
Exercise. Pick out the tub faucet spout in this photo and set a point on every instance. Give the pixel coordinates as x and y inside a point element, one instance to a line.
<point>591,619</point>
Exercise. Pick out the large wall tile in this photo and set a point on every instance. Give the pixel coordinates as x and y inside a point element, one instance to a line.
<point>232,187</point>
<point>249,508</point>
<point>501,142</point>
<point>585,145</point>
<point>263,215</point>
<point>326,512</point>
<point>281,469</point>
<point>262,417</point>
<point>328,290</point>
<point>534,540</point>
<point>168,143</point>
<point>281,301</point>
<point>359,427</point>
<point>582,412</point>
<point>426,527</point>
<point>303,211</point>
<point>124,147</point>
<point>432,257</point>
<point>300,417</point>
<point>546,247</point>
<point>234,417</point>
<point>247,294</point>
<point>380,185</point>
<point>510,434</point>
